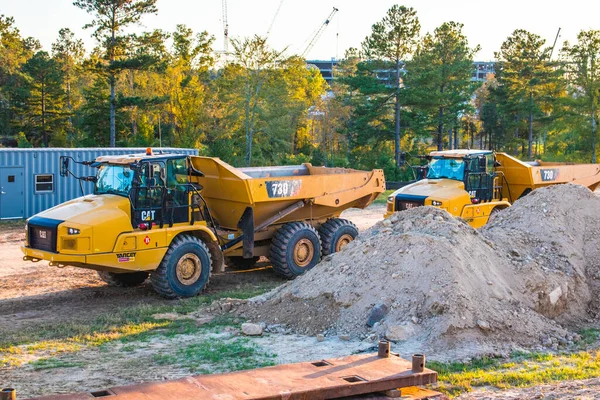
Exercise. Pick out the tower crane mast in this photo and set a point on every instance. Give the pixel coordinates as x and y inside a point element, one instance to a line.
<point>225,27</point>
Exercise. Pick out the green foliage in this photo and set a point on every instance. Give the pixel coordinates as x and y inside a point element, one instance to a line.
<point>22,141</point>
<point>439,82</point>
<point>526,81</point>
<point>401,92</point>
<point>392,40</point>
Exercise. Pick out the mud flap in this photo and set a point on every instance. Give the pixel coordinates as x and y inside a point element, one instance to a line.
<point>246,224</point>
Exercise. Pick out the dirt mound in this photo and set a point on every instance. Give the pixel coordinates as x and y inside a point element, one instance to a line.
<point>552,237</point>
<point>434,284</point>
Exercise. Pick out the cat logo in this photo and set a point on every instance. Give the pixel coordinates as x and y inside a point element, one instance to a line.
<point>148,215</point>
<point>125,257</point>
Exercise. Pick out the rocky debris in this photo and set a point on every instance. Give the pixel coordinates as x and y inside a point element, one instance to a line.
<point>226,305</point>
<point>320,337</point>
<point>433,284</point>
<point>198,319</point>
<point>171,316</point>
<point>250,329</point>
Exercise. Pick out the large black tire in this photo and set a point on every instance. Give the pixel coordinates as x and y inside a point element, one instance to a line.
<point>124,280</point>
<point>238,262</point>
<point>336,233</point>
<point>184,270</point>
<point>295,248</point>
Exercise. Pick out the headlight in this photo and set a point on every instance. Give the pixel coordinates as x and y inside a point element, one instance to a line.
<point>436,203</point>
<point>390,199</point>
<point>73,231</point>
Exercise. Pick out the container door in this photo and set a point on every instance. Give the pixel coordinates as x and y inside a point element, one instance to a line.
<point>12,199</point>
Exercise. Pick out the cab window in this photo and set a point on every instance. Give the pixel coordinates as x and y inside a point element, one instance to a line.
<point>177,172</point>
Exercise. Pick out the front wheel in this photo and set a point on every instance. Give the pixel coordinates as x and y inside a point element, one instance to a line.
<point>295,248</point>
<point>184,270</point>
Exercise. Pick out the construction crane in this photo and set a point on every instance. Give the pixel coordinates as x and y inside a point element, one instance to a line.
<point>554,45</point>
<point>225,28</point>
<point>274,18</point>
<point>319,32</point>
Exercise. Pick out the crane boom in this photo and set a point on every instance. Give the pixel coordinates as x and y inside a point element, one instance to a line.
<point>319,32</point>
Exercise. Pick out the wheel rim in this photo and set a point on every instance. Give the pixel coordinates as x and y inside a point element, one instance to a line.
<point>188,269</point>
<point>304,252</point>
<point>343,241</point>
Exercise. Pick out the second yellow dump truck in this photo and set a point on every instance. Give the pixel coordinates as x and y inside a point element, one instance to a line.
<point>473,184</point>
<point>176,218</point>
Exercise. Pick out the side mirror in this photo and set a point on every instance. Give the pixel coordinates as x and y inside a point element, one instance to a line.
<point>64,166</point>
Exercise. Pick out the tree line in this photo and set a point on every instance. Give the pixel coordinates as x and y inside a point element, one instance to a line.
<point>400,92</point>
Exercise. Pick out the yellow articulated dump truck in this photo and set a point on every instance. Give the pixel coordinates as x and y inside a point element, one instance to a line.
<point>176,218</point>
<point>473,184</point>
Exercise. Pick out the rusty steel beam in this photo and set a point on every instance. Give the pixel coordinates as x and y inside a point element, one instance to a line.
<point>325,379</point>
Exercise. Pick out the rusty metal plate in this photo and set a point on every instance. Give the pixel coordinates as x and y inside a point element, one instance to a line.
<point>409,393</point>
<point>320,380</point>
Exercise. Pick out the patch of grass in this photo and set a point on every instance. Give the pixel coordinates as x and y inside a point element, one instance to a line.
<point>135,321</point>
<point>382,198</point>
<point>522,369</point>
<point>51,363</point>
<point>126,324</point>
<point>10,360</point>
<point>590,335</point>
<point>217,355</point>
<point>12,224</point>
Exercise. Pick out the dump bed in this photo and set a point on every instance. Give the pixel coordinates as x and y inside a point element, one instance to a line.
<point>326,192</point>
<point>522,177</point>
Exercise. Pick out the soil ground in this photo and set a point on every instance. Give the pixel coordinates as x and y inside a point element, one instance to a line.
<point>65,330</point>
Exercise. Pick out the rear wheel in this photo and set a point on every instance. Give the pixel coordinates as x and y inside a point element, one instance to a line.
<point>336,233</point>
<point>185,269</point>
<point>295,248</point>
<point>237,262</point>
<point>124,280</point>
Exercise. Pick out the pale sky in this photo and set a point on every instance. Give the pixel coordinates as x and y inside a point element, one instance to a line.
<point>487,23</point>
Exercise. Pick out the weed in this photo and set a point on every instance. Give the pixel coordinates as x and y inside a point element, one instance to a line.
<point>590,335</point>
<point>50,363</point>
<point>217,355</point>
<point>522,369</point>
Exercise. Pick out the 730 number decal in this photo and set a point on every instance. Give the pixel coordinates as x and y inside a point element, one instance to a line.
<point>285,188</point>
<point>549,174</point>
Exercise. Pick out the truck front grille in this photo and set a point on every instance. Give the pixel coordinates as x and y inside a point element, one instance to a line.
<point>42,234</point>
<point>406,202</point>
<point>407,205</point>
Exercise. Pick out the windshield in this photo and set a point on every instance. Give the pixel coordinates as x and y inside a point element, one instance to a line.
<point>114,179</point>
<point>451,168</point>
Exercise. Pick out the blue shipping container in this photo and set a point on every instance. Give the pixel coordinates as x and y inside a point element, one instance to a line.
<point>30,180</point>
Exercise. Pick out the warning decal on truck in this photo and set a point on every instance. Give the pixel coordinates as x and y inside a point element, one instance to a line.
<point>283,188</point>
<point>549,175</point>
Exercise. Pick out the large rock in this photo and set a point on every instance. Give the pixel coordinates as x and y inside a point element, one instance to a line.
<point>249,329</point>
<point>397,333</point>
<point>378,312</point>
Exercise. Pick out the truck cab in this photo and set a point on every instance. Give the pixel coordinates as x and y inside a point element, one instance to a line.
<point>462,182</point>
